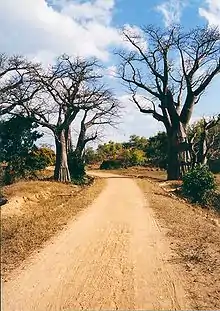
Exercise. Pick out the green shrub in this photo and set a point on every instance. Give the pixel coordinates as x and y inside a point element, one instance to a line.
<point>198,184</point>
<point>133,157</point>
<point>76,166</point>
<point>44,156</point>
<point>214,166</point>
<point>111,164</point>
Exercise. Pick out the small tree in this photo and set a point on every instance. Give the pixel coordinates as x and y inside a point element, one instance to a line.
<point>90,156</point>
<point>17,144</point>
<point>156,150</point>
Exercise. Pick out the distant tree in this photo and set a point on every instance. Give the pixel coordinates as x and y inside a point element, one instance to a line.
<point>167,79</point>
<point>136,142</point>
<point>110,150</point>
<point>17,145</point>
<point>91,156</point>
<point>156,150</point>
<point>132,157</point>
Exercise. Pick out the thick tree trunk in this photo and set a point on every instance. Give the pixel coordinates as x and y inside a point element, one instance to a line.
<point>61,172</point>
<point>178,153</point>
<point>76,163</point>
<point>173,165</point>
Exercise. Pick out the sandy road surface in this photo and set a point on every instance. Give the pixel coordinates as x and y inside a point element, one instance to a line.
<point>113,257</point>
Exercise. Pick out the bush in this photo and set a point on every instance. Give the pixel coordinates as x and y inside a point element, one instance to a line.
<point>43,156</point>
<point>214,166</point>
<point>111,164</point>
<point>198,184</point>
<point>133,157</point>
<point>76,166</point>
<point>17,145</point>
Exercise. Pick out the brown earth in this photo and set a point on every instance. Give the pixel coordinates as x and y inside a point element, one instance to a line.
<point>113,257</point>
<point>35,212</point>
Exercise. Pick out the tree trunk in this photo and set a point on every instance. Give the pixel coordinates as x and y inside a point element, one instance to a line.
<point>203,159</point>
<point>68,136</point>
<point>61,172</point>
<point>76,164</point>
<point>178,153</point>
<point>173,165</point>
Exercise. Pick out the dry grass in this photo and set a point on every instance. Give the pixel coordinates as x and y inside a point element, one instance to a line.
<point>142,172</point>
<point>194,236</point>
<point>36,211</point>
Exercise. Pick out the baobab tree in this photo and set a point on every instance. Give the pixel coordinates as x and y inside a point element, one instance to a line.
<point>167,77</point>
<point>64,89</point>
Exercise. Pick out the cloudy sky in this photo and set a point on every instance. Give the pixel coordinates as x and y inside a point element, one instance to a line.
<point>43,29</point>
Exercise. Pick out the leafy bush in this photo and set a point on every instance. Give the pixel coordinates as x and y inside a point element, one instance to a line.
<point>45,156</point>
<point>76,166</point>
<point>156,150</point>
<point>214,166</point>
<point>111,164</point>
<point>198,184</point>
<point>133,157</point>
<point>17,144</point>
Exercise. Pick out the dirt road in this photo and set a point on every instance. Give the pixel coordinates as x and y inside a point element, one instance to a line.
<point>113,257</point>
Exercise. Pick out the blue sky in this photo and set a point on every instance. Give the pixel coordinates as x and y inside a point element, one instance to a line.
<point>43,29</point>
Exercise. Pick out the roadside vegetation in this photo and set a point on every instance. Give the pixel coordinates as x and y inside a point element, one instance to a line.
<point>199,184</point>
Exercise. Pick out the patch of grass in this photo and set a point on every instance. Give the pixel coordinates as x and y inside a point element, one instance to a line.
<point>194,236</point>
<point>36,211</point>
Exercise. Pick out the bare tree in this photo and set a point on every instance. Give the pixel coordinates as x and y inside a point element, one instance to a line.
<point>167,79</point>
<point>16,82</point>
<point>65,89</point>
<point>105,112</point>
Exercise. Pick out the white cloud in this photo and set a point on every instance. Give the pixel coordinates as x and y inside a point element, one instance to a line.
<point>212,12</point>
<point>100,10</point>
<point>136,34</point>
<point>135,122</point>
<point>172,11</point>
<point>111,72</point>
<point>33,27</point>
